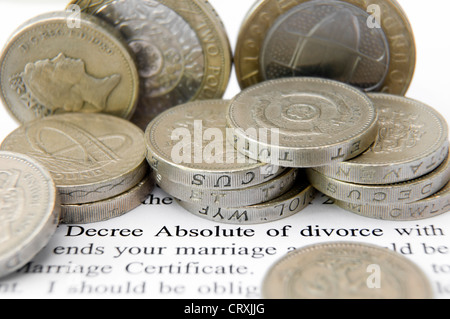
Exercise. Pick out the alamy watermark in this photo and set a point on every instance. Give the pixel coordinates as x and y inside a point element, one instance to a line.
<point>218,146</point>
<point>374,19</point>
<point>374,279</point>
<point>73,16</point>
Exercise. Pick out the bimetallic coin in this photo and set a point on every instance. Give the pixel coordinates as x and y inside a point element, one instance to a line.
<point>187,144</point>
<point>345,270</point>
<point>232,197</point>
<point>412,141</point>
<point>29,210</point>
<point>435,205</point>
<point>108,208</point>
<point>329,39</point>
<point>406,192</point>
<point>293,201</point>
<point>182,50</point>
<point>301,122</point>
<point>50,66</point>
<point>90,156</point>
<point>366,43</point>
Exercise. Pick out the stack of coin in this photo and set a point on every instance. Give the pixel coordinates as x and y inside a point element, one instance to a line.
<point>97,162</point>
<point>398,176</point>
<point>189,153</point>
<point>379,155</point>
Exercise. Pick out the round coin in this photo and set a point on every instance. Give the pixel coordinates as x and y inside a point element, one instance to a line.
<point>29,210</point>
<point>54,64</point>
<point>301,122</point>
<point>90,156</point>
<point>232,197</point>
<point>293,201</point>
<point>308,41</point>
<point>187,144</point>
<point>406,192</point>
<point>435,205</point>
<point>108,208</point>
<point>182,51</point>
<point>340,270</point>
<point>412,141</point>
<point>369,44</point>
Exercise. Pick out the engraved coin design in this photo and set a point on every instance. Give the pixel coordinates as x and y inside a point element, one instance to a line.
<point>29,210</point>
<point>406,192</point>
<point>342,270</point>
<point>49,68</point>
<point>412,141</point>
<point>310,122</point>
<point>290,203</point>
<point>327,39</point>
<point>90,156</point>
<point>109,208</point>
<point>341,40</point>
<point>232,197</point>
<point>187,144</point>
<point>179,48</point>
<point>434,205</point>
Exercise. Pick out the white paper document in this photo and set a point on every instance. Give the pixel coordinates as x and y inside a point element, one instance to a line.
<point>160,251</point>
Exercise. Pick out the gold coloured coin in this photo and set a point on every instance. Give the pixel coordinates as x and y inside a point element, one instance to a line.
<point>392,19</point>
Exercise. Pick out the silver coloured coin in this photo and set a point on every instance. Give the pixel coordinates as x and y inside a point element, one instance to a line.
<point>169,55</point>
<point>405,192</point>
<point>29,210</point>
<point>187,144</point>
<point>412,141</point>
<point>434,205</point>
<point>329,39</point>
<point>290,203</point>
<point>341,270</point>
<point>235,197</point>
<point>90,156</point>
<point>108,208</point>
<point>302,122</point>
<point>53,65</point>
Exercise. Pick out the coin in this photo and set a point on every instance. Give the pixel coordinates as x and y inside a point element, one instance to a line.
<point>290,203</point>
<point>232,197</point>
<point>406,192</point>
<point>323,33</point>
<point>90,156</point>
<point>50,66</point>
<point>29,210</point>
<point>182,52</point>
<point>345,270</point>
<point>301,122</point>
<point>307,41</point>
<point>109,208</point>
<point>412,141</point>
<point>434,205</point>
<point>187,144</point>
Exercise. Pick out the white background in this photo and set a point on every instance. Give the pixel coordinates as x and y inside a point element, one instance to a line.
<point>430,85</point>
